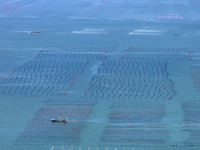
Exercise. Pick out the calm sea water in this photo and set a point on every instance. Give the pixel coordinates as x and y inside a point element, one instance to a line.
<point>122,84</point>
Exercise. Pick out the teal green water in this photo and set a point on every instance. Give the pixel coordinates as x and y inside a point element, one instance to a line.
<point>121,84</point>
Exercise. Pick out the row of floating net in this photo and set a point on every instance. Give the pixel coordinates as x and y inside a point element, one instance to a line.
<point>195,72</point>
<point>144,127</point>
<point>41,129</point>
<point>138,73</point>
<point>146,116</point>
<point>135,122</point>
<point>51,72</point>
<point>135,74</point>
<point>191,119</point>
<point>131,80</point>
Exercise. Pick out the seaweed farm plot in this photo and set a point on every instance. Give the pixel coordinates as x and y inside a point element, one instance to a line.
<point>153,30</point>
<point>52,72</point>
<point>195,72</point>
<point>131,80</point>
<point>192,122</point>
<point>172,18</point>
<point>135,122</point>
<point>139,74</point>
<point>157,54</point>
<point>136,112</point>
<point>41,129</point>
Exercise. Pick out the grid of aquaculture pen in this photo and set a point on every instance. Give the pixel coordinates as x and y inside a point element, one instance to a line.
<point>135,81</point>
<point>131,80</point>
<point>153,31</point>
<point>138,74</point>
<point>51,72</point>
<point>195,72</point>
<point>157,54</point>
<point>135,122</point>
<point>41,129</point>
<point>191,120</point>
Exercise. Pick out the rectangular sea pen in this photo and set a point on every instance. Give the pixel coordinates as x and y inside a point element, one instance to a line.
<point>52,72</point>
<point>191,119</point>
<point>41,129</point>
<point>113,81</point>
<point>195,73</point>
<point>135,122</point>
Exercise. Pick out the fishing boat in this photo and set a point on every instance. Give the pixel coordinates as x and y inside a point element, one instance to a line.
<point>59,120</point>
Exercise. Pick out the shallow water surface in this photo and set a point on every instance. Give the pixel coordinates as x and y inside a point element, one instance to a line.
<point>122,84</point>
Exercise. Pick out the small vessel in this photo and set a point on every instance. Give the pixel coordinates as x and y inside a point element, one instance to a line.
<point>59,120</point>
<point>35,32</point>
